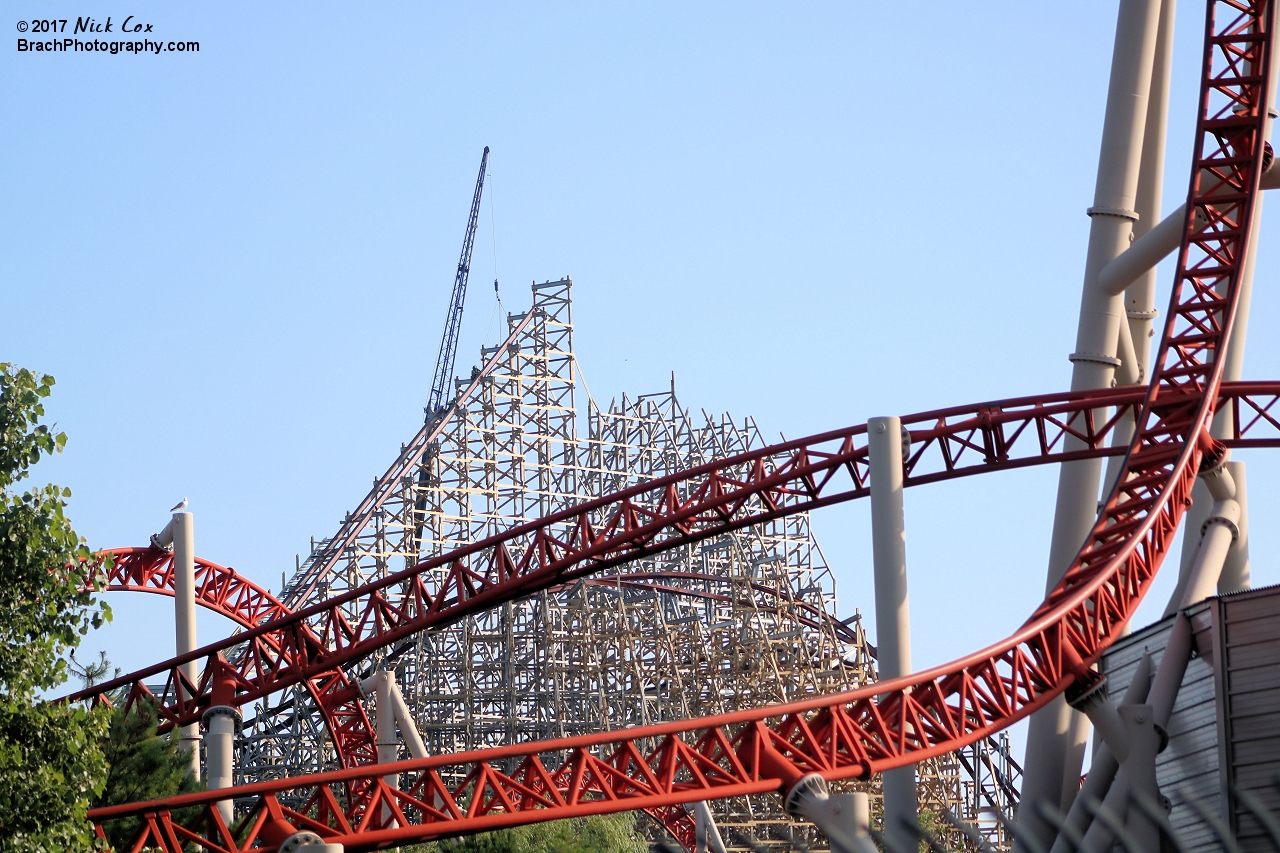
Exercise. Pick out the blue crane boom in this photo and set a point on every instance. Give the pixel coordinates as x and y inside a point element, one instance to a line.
<point>453,322</point>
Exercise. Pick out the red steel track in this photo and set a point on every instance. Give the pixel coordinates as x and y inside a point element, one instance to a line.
<point>947,450</point>
<point>885,725</point>
<point>224,591</point>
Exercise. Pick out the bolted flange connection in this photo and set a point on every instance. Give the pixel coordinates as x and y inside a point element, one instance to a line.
<point>308,842</point>
<point>237,720</point>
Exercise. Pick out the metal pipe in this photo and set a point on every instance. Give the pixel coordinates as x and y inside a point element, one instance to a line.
<point>1139,299</point>
<point>1105,718</point>
<point>1129,372</point>
<point>1102,772</point>
<point>1219,532</point>
<point>184,608</point>
<point>1222,519</point>
<point>893,623</point>
<point>843,818</point>
<point>1050,737</point>
<point>381,685</point>
<point>405,721</point>
<point>1143,254</point>
<point>221,724</point>
<point>1197,514</point>
<point>1140,771</point>
<point>1235,571</point>
<point>1177,652</point>
<point>1155,245</point>
<point>708,834</point>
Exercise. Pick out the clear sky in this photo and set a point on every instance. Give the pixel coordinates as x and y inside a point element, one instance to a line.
<point>236,261</point>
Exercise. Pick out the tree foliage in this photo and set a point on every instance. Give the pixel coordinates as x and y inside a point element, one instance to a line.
<point>50,759</point>
<point>613,833</point>
<point>142,766</point>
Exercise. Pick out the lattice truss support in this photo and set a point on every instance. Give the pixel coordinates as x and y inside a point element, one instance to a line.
<point>735,622</point>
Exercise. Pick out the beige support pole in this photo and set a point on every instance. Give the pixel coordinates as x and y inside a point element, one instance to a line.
<point>893,621</point>
<point>1053,739</point>
<point>184,603</point>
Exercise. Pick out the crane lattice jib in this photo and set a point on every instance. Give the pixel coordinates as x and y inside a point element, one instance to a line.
<point>885,725</point>
<point>453,321</point>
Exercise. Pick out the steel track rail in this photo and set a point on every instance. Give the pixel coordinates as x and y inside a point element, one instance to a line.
<point>945,444</point>
<point>226,592</point>
<point>889,724</point>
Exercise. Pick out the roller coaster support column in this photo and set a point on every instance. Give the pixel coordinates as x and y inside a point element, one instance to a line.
<point>221,723</point>
<point>893,623</point>
<point>392,712</point>
<point>1135,776</point>
<point>1102,770</point>
<point>1140,295</point>
<point>708,837</point>
<point>380,684</point>
<point>1133,272</point>
<point>1094,362</point>
<point>184,568</point>
<point>843,818</point>
<point>179,535</point>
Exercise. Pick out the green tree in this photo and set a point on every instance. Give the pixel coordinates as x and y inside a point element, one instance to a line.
<point>50,759</point>
<point>142,766</point>
<point>612,833</point>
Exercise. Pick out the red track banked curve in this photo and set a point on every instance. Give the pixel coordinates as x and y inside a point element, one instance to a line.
<point>885,725</point>
<point>226,592</point>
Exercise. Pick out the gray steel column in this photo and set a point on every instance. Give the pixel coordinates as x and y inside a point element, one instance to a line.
<point>843,818</point>
<point>708,836</point>
<point>1140,312</point>
<point>893,622</point>
<point>221,724</point>
<point>184,605</point>
<point>1235,571</point>
<point>1050,737</point>
<point>1140,296</point>
<point>383,687</point>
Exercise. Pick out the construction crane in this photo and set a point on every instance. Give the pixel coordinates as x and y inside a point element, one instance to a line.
<point>453,322</point>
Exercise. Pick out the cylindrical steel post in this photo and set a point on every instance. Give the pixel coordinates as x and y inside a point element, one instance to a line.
<point>1051,737</point>
<point>1102,770</point>
<point>1235,571</point>
<point>1218,533</point>
<point>221,723</point>
<point>383,687</point>
<point>708,838</point>
<point>843,818</point>
<point>385,722</point>
<point>184,608</point>
<point>893,623</point>
<point>1140,297</point>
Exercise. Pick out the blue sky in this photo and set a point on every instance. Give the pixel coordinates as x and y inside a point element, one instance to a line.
<point>236,261</point>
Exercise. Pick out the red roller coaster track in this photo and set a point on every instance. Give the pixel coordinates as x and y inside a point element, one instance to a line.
<point>962,441</point>
<point>224,591</point>
<point>887,725</point>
